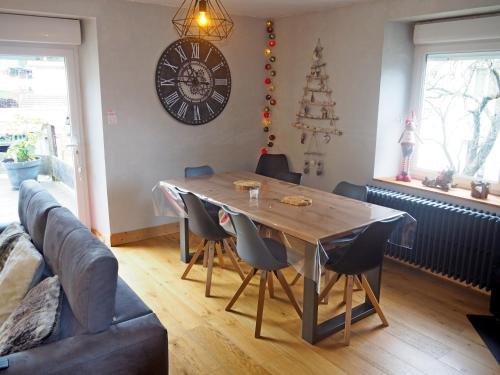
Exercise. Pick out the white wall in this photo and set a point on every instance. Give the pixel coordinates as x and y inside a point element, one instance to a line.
<point>353,41</point>
<point>148,145</point>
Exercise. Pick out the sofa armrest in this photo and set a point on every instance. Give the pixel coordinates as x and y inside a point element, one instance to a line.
<point>137,346</point>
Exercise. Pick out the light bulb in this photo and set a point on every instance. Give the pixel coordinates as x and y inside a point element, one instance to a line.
<point>202,19</point>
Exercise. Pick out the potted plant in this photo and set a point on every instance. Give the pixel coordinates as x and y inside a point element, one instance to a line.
<point>21,163</point>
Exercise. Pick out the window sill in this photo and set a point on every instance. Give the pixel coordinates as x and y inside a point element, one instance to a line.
<point>492,200</point>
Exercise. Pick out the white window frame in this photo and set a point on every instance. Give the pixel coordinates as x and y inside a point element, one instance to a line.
<point>70,54</point>
<point>417,93</point>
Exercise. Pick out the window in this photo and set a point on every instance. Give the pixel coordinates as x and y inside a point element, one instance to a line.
<point>460,115</point>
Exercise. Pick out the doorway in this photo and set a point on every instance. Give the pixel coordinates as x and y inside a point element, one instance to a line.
<point>40,118</point>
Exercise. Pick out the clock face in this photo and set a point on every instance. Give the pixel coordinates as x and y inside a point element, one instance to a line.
<point>193,81</point>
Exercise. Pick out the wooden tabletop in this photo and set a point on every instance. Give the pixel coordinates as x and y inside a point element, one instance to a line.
<point>328,216</point>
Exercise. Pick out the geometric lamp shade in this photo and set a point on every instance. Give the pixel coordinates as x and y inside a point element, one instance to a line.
<point>207,19</point>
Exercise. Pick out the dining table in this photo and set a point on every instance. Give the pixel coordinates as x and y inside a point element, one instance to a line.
<point>328,217</point>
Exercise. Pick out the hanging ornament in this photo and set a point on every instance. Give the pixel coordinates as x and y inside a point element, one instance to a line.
<point>272,73</point>
<point>263,151</point>
<point>267,51</point>
<point>269,23</point>
<point>266,129</point>
<point>271,43</point>
<point>271,36</point>
<point>268,66</point>
<point>267,81</point>
<point>272,59</point>
<point>272,137</point>
<point>272,102</point>
<point>268,97</point>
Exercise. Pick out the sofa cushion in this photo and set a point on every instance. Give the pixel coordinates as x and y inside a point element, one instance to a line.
<point>23,268</point>
<point>33,319</point>
<point>86,268</point>
<point>36,220</point>
<point>26,191</point>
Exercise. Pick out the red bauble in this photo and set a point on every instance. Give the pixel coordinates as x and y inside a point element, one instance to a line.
<point>267,81</point>
<point>272,102</point>
<point>267,115</point>
<point>270,29</point>
<point>271,43</point>
<point>263,151</point>
<point>268,66</point>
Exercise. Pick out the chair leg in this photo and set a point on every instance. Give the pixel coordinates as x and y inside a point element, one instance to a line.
<point>270,284</point>
<point>195,257</point>
<point>232,257</point>
<point>242,287</point>
<point>348,309</point>
<point>231,242</point>
<point>211,246</point>
<point>296,278</point>
<point>260,304</point>
<point>205,258</point>
<point>218,249</point>
<point>345,289</point>
<point>288,291</point>
<point>373,300</point>
<point>328,286</point>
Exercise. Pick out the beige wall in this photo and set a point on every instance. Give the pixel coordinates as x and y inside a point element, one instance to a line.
<point>353,41</point>
<point>148,145</point>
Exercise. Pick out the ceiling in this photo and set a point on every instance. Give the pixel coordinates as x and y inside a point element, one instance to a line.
<point>268,8</point>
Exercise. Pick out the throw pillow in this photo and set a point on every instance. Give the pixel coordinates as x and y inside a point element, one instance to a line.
<point>23,265</point>
<point>8,239</point>
<point>33,320</point>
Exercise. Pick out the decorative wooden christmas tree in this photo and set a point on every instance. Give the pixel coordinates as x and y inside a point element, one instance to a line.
<point>317,103</point>
<point>317,113</point>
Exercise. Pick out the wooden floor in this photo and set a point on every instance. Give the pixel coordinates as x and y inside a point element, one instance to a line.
<point>428,332</point>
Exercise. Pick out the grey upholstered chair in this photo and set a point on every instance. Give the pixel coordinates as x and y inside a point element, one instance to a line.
<point>292,177</point>
<point>264,254</point>
<point>363,254</point>
<point>214,238</point>
<point>346,189</point>
<point>204,170</point>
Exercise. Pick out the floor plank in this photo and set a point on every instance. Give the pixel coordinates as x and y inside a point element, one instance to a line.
<point>428,331</point>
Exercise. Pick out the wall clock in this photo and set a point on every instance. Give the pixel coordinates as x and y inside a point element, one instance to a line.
<point>193,81</point>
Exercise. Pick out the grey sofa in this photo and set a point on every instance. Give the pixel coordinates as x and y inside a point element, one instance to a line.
<point>104,327</point>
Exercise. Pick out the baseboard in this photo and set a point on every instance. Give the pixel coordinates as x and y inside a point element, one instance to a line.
<point>101,236</point>
<point>117,239</point>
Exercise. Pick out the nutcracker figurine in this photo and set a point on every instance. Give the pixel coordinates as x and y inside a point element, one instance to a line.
<point>407,140</point>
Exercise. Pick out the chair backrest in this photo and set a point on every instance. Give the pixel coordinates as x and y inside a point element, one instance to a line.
<point>346,189</point>
<point>367,250</point>
<point>271,165</point>
<point>203,170</point>
<point>251,247</point>
<point>292,177</point>
<point>200,222</point>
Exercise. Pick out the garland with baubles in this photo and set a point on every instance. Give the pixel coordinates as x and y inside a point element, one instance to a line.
<point>270,74</point>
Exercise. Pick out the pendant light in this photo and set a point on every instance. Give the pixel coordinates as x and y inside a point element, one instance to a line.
<point>207,19</point>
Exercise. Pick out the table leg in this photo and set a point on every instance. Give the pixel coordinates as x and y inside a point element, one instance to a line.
<point>310,299</point>
<point>184,240</point>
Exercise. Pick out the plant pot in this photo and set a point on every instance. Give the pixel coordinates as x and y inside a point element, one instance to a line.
<point>21,171</point>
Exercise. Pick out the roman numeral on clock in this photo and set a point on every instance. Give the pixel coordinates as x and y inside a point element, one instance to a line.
<point>210,109</point>
<point>167,82</point>
<point>196,113</point>
<point>221,82</point>
<point>172,99</point>
<point>217,67</point>
<point>173,67</point>
<point>218,97</point>
<point>182,110</point>
<point>195,47</point>
<point>181,53</point>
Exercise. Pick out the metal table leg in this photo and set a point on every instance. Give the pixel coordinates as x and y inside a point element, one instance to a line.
<point>310,313</point>
<point>184,240</point>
